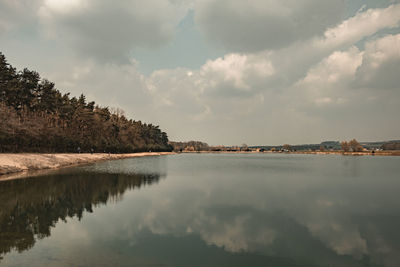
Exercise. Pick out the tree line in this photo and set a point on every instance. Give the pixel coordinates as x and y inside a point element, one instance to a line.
<point>352,145</point>
<point>36,117</point>
<point>190,146</point>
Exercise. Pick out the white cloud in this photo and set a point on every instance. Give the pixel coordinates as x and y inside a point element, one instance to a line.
<point>176,90</point>
<point>61,6</point>
<point>327,82</point>
<point>338,76</point>
<point>235,70</point>
<point>361,25</point>
<point>381,64</point>
<point>335,68</point>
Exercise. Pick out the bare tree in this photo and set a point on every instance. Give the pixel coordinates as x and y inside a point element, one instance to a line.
<point>345,146</point>
<point>355,146</point>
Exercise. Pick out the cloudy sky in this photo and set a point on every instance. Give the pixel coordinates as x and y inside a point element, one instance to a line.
<point>222,71</point>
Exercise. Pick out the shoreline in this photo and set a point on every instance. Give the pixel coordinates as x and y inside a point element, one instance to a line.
<point>13,163</point>
<point>364,153</point>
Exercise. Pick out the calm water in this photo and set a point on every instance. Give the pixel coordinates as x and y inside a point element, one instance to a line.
<point>207,210</point>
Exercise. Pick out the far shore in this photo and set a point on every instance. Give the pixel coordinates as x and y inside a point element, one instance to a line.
<point>11,163</point>
<point>363,153</point>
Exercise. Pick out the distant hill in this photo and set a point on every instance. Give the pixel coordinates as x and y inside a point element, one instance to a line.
<point>379,144</point>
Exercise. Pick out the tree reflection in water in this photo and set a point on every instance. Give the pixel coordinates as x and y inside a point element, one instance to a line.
<point>29,208</point>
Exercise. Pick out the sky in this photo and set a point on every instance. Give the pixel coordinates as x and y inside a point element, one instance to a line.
<point>260,72</point>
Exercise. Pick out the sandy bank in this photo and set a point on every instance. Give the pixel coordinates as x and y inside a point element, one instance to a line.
<point>12,163</point>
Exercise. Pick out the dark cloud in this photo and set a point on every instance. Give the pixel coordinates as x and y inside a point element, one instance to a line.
<point>109,31</point>
<point>258,24</point>
<point>16,13</point>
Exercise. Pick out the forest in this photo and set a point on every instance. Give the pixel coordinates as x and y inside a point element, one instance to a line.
<point>36,117</point>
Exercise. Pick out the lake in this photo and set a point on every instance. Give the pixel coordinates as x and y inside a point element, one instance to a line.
<point>206,210</point>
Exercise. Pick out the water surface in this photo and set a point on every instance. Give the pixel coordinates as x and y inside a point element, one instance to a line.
<point>206,210</point>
